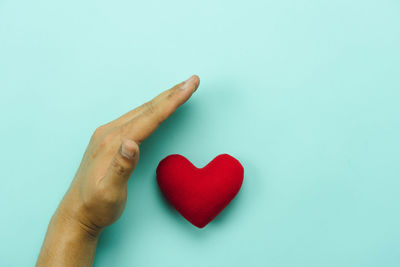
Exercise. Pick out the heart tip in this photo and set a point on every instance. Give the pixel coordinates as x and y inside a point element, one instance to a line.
<point>201,226</point>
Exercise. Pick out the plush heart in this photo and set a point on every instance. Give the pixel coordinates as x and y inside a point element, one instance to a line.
<point>199,194</point>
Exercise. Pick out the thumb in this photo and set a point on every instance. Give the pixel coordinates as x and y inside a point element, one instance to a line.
<point>123,163</point>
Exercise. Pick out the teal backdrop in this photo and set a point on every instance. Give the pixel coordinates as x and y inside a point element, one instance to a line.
<point>305,93</point>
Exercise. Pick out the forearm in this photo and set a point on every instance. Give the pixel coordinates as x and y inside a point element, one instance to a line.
<point>67,243</point>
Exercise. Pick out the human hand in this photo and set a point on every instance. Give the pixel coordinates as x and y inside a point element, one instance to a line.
<point>97,195</point>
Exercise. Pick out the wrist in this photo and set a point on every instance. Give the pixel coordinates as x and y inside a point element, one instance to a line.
<point>68,223</point>
<point>67,242</point>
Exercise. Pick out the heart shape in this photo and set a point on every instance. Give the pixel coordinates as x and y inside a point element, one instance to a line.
<point>199,194</point>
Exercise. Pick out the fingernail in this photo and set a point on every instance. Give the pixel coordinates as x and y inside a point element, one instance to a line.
<point>128,149</point>
<point>190,84</point>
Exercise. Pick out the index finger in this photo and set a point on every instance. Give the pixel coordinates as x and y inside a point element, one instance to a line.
<point>154,112</point>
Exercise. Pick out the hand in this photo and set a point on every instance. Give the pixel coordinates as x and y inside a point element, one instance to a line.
<point>97,195</point>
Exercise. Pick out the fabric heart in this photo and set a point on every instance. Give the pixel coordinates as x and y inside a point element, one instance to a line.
<point>199,194</point>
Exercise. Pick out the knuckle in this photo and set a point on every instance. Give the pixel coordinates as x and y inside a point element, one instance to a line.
<point>99,131</point>
<point>107,139</point>
<point>153,110</point>
<point>150,107</point>
<point>119,168</point>
<point>102,144</point>
<point>171,93</point>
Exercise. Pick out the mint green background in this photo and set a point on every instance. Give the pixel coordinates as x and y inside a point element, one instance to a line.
<point>304,93</point>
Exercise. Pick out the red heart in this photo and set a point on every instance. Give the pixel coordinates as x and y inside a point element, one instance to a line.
<point>199,194</point>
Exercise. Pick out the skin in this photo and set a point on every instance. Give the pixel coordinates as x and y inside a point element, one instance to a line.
<point>97,195</point>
